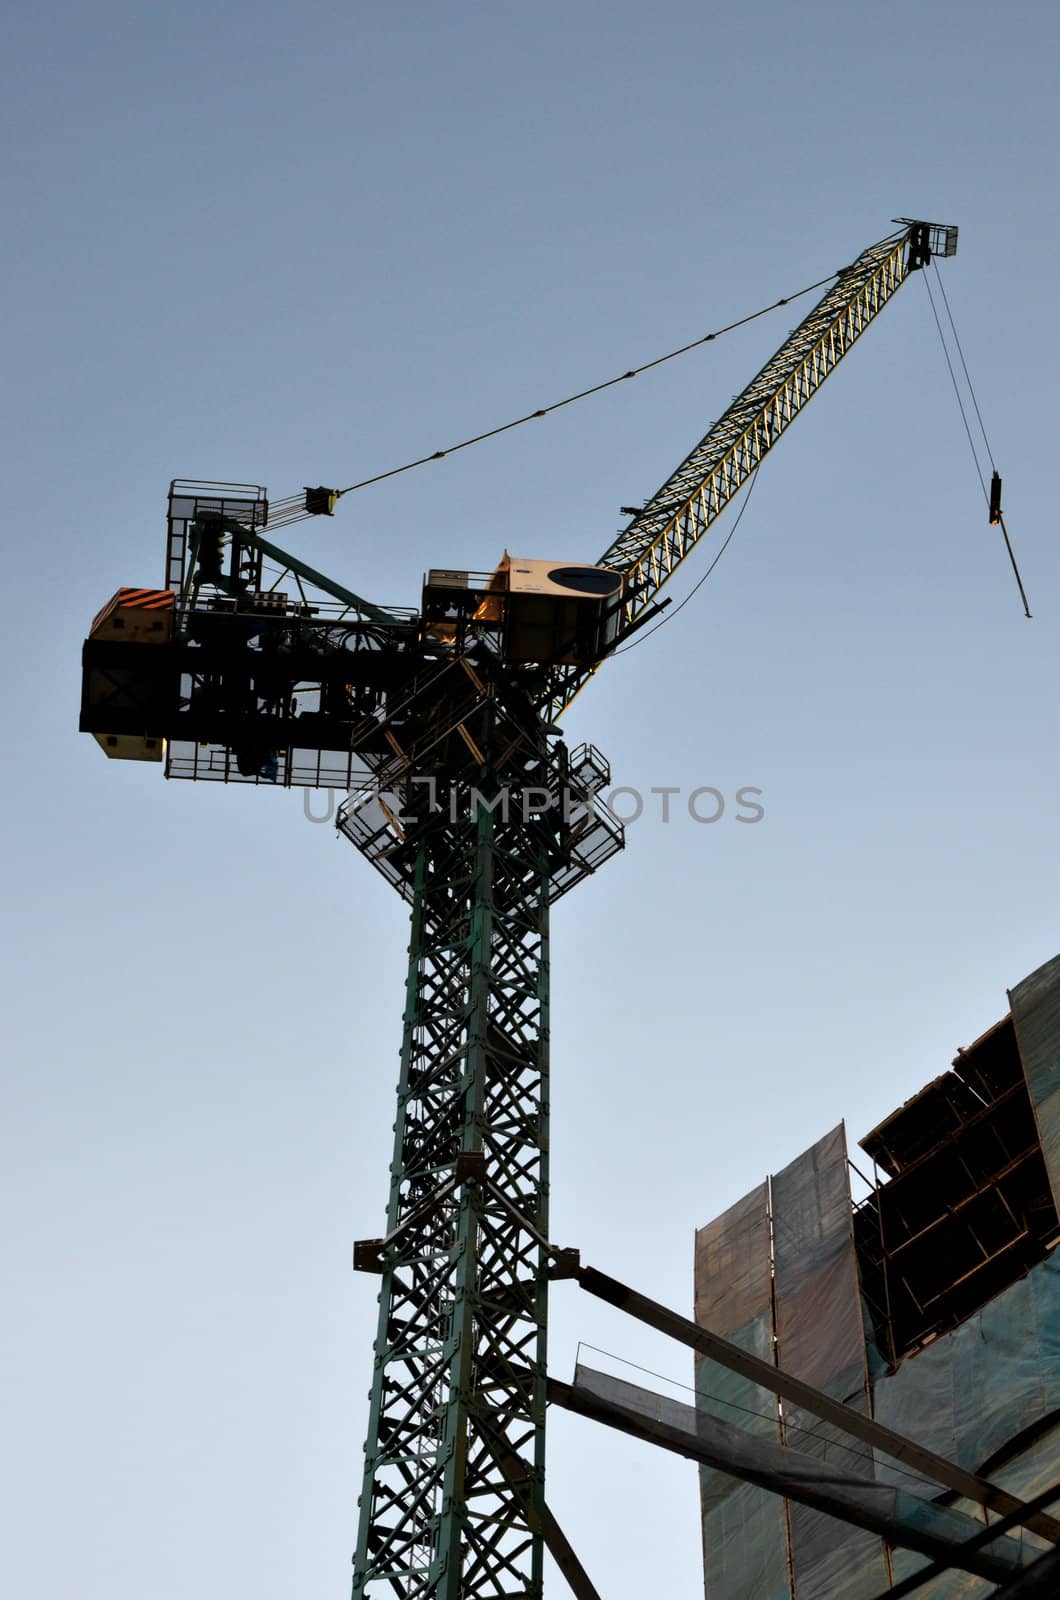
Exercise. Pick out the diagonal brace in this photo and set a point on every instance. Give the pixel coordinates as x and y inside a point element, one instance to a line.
<point>558,1545</point>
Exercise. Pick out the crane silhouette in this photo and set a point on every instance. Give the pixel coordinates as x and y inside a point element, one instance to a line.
<point>440,725</point>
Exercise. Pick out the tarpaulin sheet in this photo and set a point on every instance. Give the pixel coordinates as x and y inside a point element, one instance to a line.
<point>947,1586</point>
<point>733,1398</point>
<point>955,1585</point>
<point>744,1528</point>
<point>734,1297</point>
<point>747,1552</point>
<point>821,1339</point>
<point>969,1393</point>
<point>1036,1015</point>
<point>818,1304</point>
<point>833,1558</point>
<point>1034,1470</point>
<point>1031,1473</point>
<point>918,1401</point>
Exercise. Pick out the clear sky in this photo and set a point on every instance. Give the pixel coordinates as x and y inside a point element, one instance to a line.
<point>293,244</point>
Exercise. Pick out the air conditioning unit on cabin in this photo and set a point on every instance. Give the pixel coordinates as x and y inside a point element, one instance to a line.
<point>563,613</point>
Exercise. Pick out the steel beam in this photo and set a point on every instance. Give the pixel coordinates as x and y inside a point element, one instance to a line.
<point>777,1381</point>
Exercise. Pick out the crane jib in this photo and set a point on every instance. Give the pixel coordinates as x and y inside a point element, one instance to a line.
<point>662,534</point>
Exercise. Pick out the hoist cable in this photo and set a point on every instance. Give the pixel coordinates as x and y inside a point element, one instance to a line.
<point>982,429</point>
<point>964,364</point>
<point>971,443</point>
<point>957,391</point>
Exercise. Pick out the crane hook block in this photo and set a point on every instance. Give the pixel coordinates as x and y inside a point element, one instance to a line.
<point>995,499</point>
<point>321,502</point>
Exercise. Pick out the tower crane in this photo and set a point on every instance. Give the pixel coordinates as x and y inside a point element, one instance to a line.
<point>440,725</point>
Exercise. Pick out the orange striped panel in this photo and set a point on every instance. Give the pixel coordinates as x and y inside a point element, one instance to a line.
<point>148,599</point>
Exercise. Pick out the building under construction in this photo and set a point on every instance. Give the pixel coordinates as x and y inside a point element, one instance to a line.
<point>877,1384</point>
<point>931,1306</point>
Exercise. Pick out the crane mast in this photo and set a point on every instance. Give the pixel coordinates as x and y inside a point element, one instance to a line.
<point>249,666</point>
<point>452,1503</point>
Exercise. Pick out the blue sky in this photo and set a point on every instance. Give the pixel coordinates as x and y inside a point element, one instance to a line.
<point>290,245</point>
